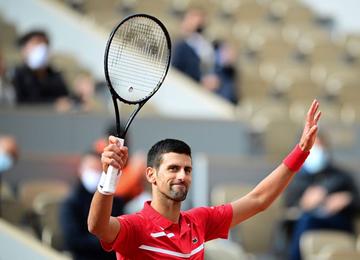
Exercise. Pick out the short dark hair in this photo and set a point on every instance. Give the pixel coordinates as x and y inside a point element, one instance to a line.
<point>154,155</point>
<point>23,39</point>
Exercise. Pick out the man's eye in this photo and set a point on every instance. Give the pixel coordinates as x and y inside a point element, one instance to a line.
<point>188,171</point>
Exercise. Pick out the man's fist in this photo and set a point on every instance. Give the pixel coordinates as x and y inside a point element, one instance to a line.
<point>114,154</point>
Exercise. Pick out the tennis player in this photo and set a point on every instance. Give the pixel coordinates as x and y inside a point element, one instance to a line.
<point>160,230</point>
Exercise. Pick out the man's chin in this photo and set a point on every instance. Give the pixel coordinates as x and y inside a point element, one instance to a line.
<point>178,196</point>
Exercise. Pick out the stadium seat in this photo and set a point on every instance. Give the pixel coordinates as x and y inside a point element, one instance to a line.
<point>251,85</point>
<point>251,12</point>
<point>326,52</point>
<point>304,90</point>
<point>28,191</point>
<point>274,131</point>
<point>349,93</point>
<point>263,223</point>
<point>12,211</point>
<point>340,254</point>
<point>46,207</point>
<point>352,47</point>
<point>313,243</point>
<point>5,190</point>
<point>225,249</point>
<point>299,15</point>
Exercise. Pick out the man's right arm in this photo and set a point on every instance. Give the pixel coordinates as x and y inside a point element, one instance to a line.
<point>100,221</point>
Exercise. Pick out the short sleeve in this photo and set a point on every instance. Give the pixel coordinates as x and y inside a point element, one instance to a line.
<point>215,220</point>
<point>128,238</point>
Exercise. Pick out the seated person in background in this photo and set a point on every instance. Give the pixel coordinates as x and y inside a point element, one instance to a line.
<point>194,55</point>
<point>35,81</point>
<point>85,98</point>
<point>225,69</point>
<point>133,185</point>
<point>74,212</point>
<point>9,152</point>
<point>324,194</point>
<point>7,94</point>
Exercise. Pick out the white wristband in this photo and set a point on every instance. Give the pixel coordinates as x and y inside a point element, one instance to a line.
<point>101,185</point>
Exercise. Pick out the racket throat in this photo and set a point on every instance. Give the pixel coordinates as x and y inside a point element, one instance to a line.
<point>122,133</point>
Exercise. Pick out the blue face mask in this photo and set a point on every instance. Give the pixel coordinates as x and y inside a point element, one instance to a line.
<point>317,160</point>
<point>6,161</point>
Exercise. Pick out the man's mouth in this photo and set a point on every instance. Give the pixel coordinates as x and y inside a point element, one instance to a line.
<point>179,185</point>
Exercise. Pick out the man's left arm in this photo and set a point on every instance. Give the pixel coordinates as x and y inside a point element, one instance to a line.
<point>270,188</point>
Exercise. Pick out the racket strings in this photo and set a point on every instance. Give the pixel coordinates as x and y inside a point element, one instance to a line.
<point>138,58</point>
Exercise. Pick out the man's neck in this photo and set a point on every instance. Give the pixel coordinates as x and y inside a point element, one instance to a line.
<point>168,208</point>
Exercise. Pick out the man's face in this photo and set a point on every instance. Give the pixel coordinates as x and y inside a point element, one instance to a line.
<point>173,178</point>
<point>193,21</point>
<point>31,44</point>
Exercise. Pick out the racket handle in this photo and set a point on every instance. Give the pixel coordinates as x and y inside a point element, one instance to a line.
<point>112,175</point>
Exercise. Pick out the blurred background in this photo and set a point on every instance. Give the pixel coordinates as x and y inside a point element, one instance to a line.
<point>243,75</point>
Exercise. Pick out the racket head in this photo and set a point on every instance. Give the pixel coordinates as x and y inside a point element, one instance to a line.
<point>137,58</point>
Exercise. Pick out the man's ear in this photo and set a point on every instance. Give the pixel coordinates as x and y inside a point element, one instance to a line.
<point>150,175</point>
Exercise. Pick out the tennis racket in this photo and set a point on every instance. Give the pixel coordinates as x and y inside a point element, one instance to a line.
<point>136,61</point>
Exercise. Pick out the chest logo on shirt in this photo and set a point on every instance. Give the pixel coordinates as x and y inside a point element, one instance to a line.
<point>195,240</point>
<point>162,234</point>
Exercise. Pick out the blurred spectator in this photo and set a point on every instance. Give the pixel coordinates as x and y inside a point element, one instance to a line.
<point>225,69</point>
<point>133,187</point>
<point>324,194</point>
<point>8,152</point>
<point>77,5</point>
<point>35,80</point>
<point>85,98</point>
<point>133,184</point>
<point>75,209</point>
<point>7,94</point>
<point>194,54</point>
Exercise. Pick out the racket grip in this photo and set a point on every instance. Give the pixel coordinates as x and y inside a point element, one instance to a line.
<point>112,175</point>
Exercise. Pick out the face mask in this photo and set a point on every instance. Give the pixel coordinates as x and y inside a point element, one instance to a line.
<point>6,161</point>
<point>317,160</point>
<point>90,179</point>
<point>38,57</point>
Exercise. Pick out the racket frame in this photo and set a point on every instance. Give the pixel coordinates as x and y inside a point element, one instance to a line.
<point>114,95</point>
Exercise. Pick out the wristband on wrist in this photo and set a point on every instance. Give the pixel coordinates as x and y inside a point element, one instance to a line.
<point>296,158</point>
<point>101,185</point>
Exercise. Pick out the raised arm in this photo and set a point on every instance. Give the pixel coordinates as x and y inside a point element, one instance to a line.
<point>100,221</point>
<point>269,188</point>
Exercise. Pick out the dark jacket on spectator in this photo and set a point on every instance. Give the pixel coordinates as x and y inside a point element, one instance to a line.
<point>185,59</point>
<point>30,88</point>
<point>73,218</point>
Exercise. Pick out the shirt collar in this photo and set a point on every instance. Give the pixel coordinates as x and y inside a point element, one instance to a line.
<point>156,217</point>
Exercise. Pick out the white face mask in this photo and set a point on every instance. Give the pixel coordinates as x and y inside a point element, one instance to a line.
<point>38,57</point>
<point>90,179</point>
<point>317,160</point>
<point>6,161</point>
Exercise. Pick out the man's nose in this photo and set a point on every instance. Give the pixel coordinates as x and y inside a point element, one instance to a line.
<point>181,175</point>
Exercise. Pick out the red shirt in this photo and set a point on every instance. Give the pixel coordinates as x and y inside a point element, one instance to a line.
<point>149,235</point>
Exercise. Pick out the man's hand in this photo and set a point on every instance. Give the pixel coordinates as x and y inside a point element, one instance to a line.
<point>312,198</point>
<point>114,154</point>
<point>337,201</point>
<point>310,130</point>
